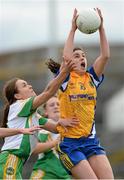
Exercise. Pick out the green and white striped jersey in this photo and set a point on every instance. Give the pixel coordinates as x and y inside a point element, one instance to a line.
<point>21,115</point>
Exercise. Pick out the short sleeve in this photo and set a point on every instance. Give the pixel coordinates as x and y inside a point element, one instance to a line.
<point>26,108</point>
<point>42,121</point>
<point>43,136</point>
<point>96,80</point>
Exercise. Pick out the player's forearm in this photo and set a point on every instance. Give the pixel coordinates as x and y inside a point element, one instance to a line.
<point>54,85</point>
<point>51,126</point>
<point>42,147</point>
<point>104,45</point>
<point>4,132</point>
<point>69,45</point>
<point>50,90</point>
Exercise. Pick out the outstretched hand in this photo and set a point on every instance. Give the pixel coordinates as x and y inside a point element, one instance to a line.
<point>67,65</point>
<point>74,26</point>
<point>68,123</point>
<point>30,130</point>
<point>100,15</point>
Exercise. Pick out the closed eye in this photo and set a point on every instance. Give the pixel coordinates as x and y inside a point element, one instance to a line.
<point>24,84</point>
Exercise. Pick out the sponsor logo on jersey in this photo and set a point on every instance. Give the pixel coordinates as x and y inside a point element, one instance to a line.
<point>81,97</point>
<point>10,171</point>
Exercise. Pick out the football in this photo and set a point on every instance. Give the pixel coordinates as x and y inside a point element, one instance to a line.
<point>88,21</point>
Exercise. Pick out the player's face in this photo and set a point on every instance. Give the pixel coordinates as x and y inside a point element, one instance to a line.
<point>80,61</point>
<point>24,90</point>
<point>52,109</point>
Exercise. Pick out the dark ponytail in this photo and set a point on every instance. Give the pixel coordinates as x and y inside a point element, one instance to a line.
<point>53,66</point>
<point>6,111</point>
<point>9,92</point>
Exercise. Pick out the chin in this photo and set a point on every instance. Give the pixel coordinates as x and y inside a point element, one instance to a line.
<point>33,94</point>
<point>81,72</point>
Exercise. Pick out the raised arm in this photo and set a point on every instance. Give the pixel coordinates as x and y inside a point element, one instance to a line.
<point>69,45</point>
<point>54,85</point>
<point>102,60</point>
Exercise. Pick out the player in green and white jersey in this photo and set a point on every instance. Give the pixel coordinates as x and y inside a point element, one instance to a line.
<point>48,165</point>
<point>21,112</point>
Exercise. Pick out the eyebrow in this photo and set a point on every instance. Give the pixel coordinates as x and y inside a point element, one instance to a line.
<point>79,54</point>
<point>76,54</point>
<point>24,83</point>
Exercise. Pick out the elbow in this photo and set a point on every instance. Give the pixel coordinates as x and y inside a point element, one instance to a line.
<point>106,57</point>
<point>37,149</point>
<point>34,152</point>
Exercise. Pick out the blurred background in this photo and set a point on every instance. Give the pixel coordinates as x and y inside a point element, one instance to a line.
<point>31,31</point>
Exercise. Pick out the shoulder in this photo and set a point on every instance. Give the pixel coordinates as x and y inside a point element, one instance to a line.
<point>14,109</point>
<point>64,85</point>
<point>96,80</point>
<point>26,107</point>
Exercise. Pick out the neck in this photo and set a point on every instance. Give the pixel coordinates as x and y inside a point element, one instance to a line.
<point>80,73</point>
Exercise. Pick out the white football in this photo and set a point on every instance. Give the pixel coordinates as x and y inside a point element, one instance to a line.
<point>88,21</point>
